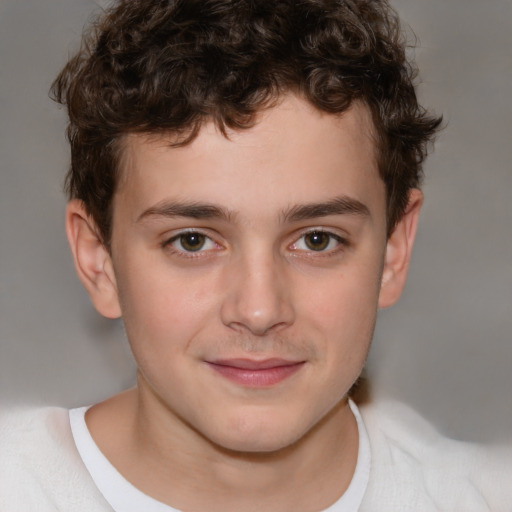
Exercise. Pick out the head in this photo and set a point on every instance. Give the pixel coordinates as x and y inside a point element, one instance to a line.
<point>171,66</point>
<point>244,193</point>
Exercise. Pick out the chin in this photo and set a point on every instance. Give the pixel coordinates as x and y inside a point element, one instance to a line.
<point>258,433</point>
<point>264,443</point>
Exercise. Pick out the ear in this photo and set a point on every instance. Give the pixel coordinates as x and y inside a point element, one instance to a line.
<point>398,252</point>
<point>93,263</point>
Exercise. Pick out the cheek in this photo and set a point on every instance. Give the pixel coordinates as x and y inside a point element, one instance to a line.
<point>163,310</point>
<point>344,311</point>
<point>348,296</point>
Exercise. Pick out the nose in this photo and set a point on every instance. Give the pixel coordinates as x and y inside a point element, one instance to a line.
<point>258,296</point>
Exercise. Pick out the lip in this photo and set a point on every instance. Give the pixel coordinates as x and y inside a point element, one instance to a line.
<point>256,373</point>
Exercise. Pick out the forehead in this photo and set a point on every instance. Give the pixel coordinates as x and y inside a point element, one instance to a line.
<point>292,153</point>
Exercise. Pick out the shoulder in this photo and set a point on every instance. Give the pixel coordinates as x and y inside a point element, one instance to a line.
<point>412,463</point>
<point>40,468</point>
<point>33,436</point>
<point>20,422</point>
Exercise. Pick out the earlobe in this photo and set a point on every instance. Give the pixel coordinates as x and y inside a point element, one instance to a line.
<point>92,260</point>
<point>398,252</point>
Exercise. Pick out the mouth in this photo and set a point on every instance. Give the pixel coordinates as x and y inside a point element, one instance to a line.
<point>256,374</point>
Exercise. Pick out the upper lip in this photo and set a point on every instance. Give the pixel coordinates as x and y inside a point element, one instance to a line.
<point>253,364</point>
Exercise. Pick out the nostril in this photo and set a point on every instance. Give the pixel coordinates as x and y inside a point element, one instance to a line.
<point>249,317</point>
<point>257,296</point>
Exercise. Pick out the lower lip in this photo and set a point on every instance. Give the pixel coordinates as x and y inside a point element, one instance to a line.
<point>256,378</point>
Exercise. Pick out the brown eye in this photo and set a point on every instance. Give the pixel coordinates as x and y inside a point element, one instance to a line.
<point>192,241</point>
<point>317,240</point>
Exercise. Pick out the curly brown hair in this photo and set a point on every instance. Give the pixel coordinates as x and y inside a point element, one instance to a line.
<point>170,65</point>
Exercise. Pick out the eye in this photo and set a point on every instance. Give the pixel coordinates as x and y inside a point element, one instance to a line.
<point>318,241</point>
<point>191,241</point>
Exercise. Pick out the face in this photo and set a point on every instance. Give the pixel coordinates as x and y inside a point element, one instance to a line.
<point>248,270</point>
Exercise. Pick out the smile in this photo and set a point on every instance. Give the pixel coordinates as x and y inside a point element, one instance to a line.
<point>256,374</point>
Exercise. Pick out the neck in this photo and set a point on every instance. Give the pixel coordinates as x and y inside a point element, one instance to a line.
<point>154,447</point>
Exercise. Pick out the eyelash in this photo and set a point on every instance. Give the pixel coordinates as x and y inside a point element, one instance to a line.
<point>342,243</point>
<point>168,244</point>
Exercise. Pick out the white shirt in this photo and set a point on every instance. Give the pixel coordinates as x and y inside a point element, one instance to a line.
<point>413,468</point>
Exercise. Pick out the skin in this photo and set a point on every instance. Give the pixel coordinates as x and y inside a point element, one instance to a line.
<point>270,277</point>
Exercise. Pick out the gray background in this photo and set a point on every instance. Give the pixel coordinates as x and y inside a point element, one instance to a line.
<point>445,348</point>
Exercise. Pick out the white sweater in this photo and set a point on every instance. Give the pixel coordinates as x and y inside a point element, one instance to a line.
<point>413,469</point>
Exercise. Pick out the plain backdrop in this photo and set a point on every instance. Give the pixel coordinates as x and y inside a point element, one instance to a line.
<point>445,348</point>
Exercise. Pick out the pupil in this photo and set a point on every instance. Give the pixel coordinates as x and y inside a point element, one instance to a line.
<point>317,240</point>
<point>192,241</point>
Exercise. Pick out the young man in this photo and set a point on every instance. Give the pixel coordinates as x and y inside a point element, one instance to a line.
<point>244,193</point>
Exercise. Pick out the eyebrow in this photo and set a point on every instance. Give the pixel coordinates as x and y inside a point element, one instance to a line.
<point>338,206</point>
<point>342,205</point>
<point>190,210</point>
